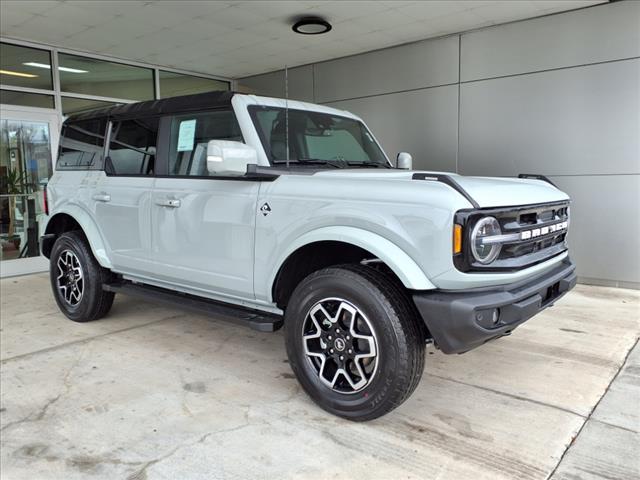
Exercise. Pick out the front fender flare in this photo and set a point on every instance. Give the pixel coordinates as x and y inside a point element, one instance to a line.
<point>407,270</point>
<point>90,229</point>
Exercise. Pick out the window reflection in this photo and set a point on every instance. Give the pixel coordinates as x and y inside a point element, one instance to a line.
<point>76,105</point>
<point>9,97</point>
<point>91,76</point>
<point>25,67</point>
<point>176,84</point>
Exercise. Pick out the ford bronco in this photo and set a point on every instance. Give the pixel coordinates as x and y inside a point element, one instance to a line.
<point>273,213</point>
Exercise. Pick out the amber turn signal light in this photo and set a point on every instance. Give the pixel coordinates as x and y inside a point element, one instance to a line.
<point>457,239</point>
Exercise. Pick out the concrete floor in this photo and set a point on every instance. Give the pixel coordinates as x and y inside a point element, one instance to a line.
<point>156,393</point>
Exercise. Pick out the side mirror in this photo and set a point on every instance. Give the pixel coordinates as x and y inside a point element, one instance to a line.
<point>404,161</point>
<point>225,156</point>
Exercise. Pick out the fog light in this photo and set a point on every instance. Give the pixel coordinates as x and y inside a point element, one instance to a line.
<point>488,318</point>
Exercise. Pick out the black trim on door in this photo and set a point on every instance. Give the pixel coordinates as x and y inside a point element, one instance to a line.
<point>162,146</point>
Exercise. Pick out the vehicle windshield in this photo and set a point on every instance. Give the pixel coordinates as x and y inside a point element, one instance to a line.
<point>315,138</point>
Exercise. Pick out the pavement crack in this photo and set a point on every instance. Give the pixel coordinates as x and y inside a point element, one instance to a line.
<point>506,394</point>
<point>620,427</point>
<point>40,413</point>
<point>87,340</point>
<point>588,418</point>
<point>141,473</point>
<point>34,416</point>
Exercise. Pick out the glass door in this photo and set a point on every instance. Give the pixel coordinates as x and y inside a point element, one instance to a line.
<point>28,138</point>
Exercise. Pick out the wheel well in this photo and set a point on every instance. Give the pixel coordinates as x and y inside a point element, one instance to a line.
<point>316,256</point>
<point>61,223</point>
<point>57,225</point>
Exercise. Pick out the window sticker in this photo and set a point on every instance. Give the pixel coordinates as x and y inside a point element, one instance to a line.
<point>186,135</point>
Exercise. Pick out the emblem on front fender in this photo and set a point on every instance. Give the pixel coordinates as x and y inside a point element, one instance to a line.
<point>265,209</point>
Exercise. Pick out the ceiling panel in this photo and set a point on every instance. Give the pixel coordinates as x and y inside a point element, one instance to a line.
<point>239,38</point>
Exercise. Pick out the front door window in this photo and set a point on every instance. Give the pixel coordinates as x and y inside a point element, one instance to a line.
<point>25,168</point>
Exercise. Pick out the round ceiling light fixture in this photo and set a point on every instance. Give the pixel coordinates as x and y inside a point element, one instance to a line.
<point>311,26</point>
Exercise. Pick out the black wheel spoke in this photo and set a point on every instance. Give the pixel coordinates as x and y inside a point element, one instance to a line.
<point>70,278</point>
<point>340,344</point>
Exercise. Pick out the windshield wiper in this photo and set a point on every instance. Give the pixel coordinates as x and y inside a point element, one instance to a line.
<point>315,161</point>
<point>335,163</point>
<point>340,163</point>
<point>369,164</point>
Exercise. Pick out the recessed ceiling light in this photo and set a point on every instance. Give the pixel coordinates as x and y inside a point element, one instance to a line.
<point>311,26</point>
<point>48,67</point>
<point>18,74</point>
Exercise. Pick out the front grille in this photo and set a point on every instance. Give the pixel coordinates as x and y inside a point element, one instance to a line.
<point>541,243</point>
<point>528,220</point>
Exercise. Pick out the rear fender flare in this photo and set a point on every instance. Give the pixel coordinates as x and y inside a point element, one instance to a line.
<point>90,230</point>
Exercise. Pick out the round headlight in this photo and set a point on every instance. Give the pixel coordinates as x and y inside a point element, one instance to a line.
<point>485,227</point>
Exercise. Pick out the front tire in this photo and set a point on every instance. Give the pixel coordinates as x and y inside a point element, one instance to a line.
<point>354,341</point>
<point>77,279</point>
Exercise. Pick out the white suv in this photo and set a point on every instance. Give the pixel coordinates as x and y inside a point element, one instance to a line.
<point>271,213</point>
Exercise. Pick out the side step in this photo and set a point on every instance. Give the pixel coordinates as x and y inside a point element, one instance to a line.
<point>257,320</point>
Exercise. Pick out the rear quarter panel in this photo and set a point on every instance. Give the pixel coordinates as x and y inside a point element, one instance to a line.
<point>70,192</point>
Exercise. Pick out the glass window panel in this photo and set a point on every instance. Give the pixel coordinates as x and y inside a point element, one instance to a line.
<point>132,150</point>
<point>25,67</point>
<point>190,135</point>
<point>341,144</point>
<point>81,145</point>
<point>9,97</point>
<point>75,105</point>
<point>176,84</point>
<point>90,76</point>
<point>314,137</point>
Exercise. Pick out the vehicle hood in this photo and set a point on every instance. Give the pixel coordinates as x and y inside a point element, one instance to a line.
<point>485,191</point>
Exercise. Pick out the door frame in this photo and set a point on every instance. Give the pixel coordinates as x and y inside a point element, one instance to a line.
<point>25,266</point>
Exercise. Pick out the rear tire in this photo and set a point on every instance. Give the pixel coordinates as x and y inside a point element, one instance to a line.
<point>77,279</point>
<point>354,341</point>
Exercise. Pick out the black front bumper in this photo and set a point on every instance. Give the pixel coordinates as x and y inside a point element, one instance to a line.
<point>462,320</point>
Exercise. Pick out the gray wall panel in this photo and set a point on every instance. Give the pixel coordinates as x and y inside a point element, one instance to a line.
<point>605,225</point>
<point>272,84</point>
<point>390,70</point>
<point>422,122</point>
<point>581,120</point>
<point>567,107</point>
<point>598,34</point>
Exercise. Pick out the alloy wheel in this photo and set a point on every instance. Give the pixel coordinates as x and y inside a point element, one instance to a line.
<point>341,345</point>
<point>70,279</point>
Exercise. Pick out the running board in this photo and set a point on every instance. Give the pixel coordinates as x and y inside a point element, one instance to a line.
<point>257,320</point>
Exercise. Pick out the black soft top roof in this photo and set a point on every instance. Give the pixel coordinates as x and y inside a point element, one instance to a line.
<point>185,103</point>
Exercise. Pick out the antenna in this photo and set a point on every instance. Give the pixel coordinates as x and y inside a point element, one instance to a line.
<point>286,110</point>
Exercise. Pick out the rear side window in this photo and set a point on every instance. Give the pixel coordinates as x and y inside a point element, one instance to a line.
<point>190,135</point>
<point>132,149</point>
<point>82,145</point>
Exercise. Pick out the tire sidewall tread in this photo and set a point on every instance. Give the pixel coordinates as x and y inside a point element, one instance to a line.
<point>400,339</point>
<point>95,302</point>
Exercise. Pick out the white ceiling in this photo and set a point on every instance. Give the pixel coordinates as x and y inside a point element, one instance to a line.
<point>241,38</point>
